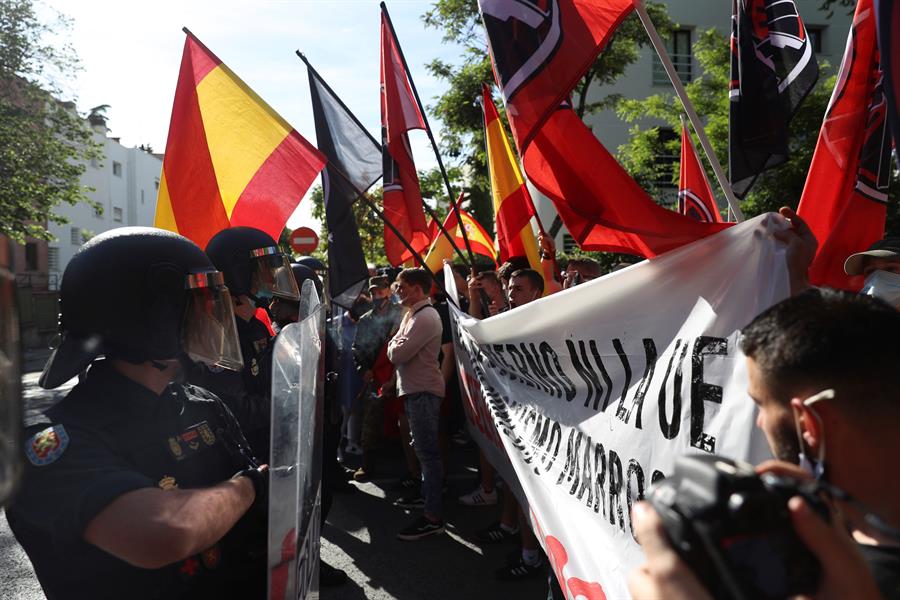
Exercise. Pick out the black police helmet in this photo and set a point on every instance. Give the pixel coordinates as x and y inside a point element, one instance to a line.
<point>231,251</point>
<point>303,273</point>
<point>313,263</point>
<point>123,295</point>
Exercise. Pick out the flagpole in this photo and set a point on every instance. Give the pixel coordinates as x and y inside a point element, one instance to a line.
<point>437,153</point>
<point>374,141</point>
<point>689,109</point>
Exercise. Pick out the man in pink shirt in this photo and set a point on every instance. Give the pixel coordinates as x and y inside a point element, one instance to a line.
<point>414,352</point>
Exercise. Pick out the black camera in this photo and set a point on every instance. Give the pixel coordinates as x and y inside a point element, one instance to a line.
<point>733,529</point>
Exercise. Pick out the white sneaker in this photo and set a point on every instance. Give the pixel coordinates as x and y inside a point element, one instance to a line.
<point>479,497</point>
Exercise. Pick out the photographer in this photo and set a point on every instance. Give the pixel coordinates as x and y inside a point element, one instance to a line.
<point>818,340</point>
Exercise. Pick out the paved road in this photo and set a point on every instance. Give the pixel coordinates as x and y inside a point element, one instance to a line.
<point>359,537</point>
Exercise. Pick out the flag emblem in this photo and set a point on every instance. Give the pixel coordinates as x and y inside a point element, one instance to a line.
<point>47,445</point>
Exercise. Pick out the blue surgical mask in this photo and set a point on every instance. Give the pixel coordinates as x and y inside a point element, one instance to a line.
<point>884,285</point>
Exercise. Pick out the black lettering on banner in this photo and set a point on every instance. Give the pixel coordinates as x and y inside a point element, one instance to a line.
<point>521,366</point>
<point>587,475</point>
<point>637,402</point>
<point>634,471</point>
<point>671,428</point>
<point>702,392</point>
<point>603,373</point>
<point>569,468</point>
<point>497,351</point>
<point>615,489</point>
<point>493,359</point>
<point>568,387</point>
<point>599,478</point>
<point>617,344</point>
<point>555,436</point>
<point>586,372</point>
<point>538,370</point>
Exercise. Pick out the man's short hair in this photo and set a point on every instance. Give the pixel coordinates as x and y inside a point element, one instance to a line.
<point>534,278</point>
<point>417,276</point>
<point>823,339</point>
<point>515,263</point>
<point>489,276</point>
<point>587,265</point>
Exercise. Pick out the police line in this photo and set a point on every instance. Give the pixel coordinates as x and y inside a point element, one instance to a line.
<point>584,398</point>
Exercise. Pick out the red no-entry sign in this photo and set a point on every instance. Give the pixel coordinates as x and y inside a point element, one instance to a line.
<point>304,240</point>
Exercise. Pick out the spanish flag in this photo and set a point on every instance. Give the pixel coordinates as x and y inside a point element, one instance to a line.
<point>479,240</point>
<point>513,207</point>
<point>230,159</point>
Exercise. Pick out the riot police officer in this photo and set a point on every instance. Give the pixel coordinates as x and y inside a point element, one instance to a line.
<point>136,485</point>
<point>256,271</point>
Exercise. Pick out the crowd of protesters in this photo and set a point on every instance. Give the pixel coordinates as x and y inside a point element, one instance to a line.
<point>821,369</point>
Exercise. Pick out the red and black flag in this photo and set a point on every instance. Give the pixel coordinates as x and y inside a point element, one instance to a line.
<point>354,165</point>
<point>695,197</point>
<point>539,51</point>
<point>772,70</point>
<point>399,114</point>
<point>844,201</point>
<point>888,19</point>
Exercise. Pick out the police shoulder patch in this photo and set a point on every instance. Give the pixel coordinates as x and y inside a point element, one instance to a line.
<point>47,445</point>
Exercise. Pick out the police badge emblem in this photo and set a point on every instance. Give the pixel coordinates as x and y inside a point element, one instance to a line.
<point>254,367</point>
<point>209,438</point>
<point>167,483</point>
<point>175,448</point>
<point>47,445</point>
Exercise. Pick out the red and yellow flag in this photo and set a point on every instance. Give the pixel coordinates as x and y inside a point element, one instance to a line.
<point>513,207</point>
<point>230,159</point>
<point>479,240</point>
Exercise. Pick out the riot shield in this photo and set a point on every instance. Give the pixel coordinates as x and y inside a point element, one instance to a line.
<point>295,480</point>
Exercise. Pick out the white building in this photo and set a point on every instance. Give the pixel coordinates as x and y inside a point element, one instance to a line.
<point>646,77</point>
<point>125,184</point>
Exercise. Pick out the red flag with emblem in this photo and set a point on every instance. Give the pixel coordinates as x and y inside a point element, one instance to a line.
<point>695,198</point>
<point>844,201</point>
<point>399,113</point>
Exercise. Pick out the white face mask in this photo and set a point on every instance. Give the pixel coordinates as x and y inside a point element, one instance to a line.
<point>884,285</point>
<point>815,468</point>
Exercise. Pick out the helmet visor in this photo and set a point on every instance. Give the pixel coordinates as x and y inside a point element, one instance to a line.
<point>209,333</point>
<point>272,275</point>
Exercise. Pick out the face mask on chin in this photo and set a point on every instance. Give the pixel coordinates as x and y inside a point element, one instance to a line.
<point>883,285</point>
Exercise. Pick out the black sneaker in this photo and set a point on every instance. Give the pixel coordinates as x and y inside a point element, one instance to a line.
<point>420,528</point>
<point>411,500</point>
<point>519,570</point>
<point>496,534</point>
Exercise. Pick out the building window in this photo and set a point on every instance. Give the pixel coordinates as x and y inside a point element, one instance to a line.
<point>679,48</point>
<point>53,259</point>
<point>31,256</point>
<point>569,244</point>
<point>117,214</point>
<point>75,236</point>
<point>815,33</point>
<point>117,169</point>
<point>666,162</point>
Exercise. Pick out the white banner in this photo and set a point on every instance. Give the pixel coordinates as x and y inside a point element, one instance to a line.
<point>587,396</point>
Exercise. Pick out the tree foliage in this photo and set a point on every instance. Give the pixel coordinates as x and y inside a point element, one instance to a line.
<point>43,141</point>
<point>462,134</point>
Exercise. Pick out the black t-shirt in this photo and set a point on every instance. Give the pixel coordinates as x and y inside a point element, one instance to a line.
<point>110,436</point>
<point>884,562</point>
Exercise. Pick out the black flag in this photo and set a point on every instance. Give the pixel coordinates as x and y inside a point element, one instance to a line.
<point>352,153</point>
<point>772,70</point>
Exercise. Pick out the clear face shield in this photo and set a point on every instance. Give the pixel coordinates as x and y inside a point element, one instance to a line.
<point>209,333</point>
<point>272,275</point>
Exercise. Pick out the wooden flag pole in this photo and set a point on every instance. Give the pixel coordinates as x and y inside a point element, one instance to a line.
<point>437,154</point>
<point>689,109</point>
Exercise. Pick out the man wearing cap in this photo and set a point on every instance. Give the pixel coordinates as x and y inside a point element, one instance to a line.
<point>880,266</point>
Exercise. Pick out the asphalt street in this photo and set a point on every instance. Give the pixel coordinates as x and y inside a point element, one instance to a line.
<point>359,537</point>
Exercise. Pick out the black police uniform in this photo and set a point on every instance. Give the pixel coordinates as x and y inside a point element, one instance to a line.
<point>246,393</point>
<point>110,436</point>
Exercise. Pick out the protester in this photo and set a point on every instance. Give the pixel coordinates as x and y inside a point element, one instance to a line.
<point>373,331</point>
<point>880,265</point>
<point>579,270</point>
<point>137,484</point>
<point>414,352</point>
<point>486,293</point>
<point>525,285</point>
<point>846,346</point>
<point>507,268</point>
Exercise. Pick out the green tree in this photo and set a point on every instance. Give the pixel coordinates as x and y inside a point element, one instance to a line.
<point>43,140</point>
<point>371,228</point>
<point>462,135</point>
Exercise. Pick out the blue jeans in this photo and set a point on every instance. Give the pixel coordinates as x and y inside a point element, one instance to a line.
<point>423,411</point>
